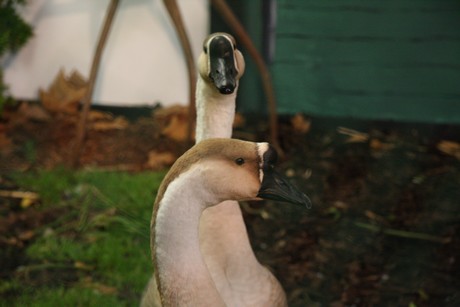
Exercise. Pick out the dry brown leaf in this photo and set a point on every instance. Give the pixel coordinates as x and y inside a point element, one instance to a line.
<point>450,148</point>
<point>176,129</point>
<point>173,122</point>
<point>65,93</point>
<point>27,198</point>
<point>33,111</point>
<point>341,205</point>
<point>300,124</point>
<point>321,257</point>
<point>33,197</point>
<point>5,141</point>
<point>26,235</point>
<point>26,112</point>
<point>166,113</point>
<point>239,120</point>
<point>379,145</point>
<point>26,202</point>
<point>353,135</point>
<point>83,266</point>
<point>159,160</point>
<point>374,216</point>
<point>98,115</point>
<point>104,289</point>
<point>12,241</point>
<point>88,282</point>
<point>118,123</point>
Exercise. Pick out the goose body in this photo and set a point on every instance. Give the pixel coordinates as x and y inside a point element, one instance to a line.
<point>212,171</point>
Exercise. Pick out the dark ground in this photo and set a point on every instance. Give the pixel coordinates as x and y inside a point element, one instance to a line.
<point>384,227</point>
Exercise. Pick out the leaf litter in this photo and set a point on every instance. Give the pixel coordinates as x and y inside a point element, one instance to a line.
<point>383,230</point>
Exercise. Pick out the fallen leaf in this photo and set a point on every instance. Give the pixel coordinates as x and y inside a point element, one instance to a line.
<point>65,93</point>
<point>83,266</point>
<point>239,120</point>
<point>118,123</point>
<point>374,216</point>
<point>6,144</point>
<point>173,122</point>
<point>321,257</point>
<point>176,130</point>
<point>26,202</point>
<point>341,205</point>
<point>27,198</point>
<point>353,135</point>
<point>380,146</point>
<point>168,112</point>
<point>26,112</point>
<point>450,148</point>
<point>101,288</point>
<point>159,160</point>
<point>289,173</point>
<point>300,124</point>
<point>12,241</point>
<point>26,235</point>
<point>104,289</point>
<point>98,115</point>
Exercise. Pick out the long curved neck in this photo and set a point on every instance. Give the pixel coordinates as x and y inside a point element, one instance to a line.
<point>182,275</point>
<point>215,111</point>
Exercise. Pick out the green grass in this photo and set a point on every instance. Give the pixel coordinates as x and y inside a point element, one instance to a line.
<point>96,250</point>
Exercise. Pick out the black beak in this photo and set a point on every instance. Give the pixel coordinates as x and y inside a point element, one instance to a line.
<point>222,70</point>
<point>276,187</point>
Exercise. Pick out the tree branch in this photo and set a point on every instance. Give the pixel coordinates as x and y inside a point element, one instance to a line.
<point>174,13</point>
<point>81,128</point>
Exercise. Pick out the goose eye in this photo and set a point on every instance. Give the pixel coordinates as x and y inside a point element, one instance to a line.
<point>239,161</point>
<point>205,49</point>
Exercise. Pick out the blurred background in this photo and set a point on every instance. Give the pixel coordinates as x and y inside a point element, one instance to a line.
<point>367,116</point>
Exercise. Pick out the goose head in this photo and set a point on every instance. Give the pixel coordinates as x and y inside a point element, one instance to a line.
<point>231,169</point>
<point>220,63</point>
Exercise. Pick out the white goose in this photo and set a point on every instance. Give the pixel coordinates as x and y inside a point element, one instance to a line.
<point>212,171</point>
<point>220,66</point>
<point>239,277</point>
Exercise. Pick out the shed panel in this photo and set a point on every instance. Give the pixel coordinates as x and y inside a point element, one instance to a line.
<point>395,60</point>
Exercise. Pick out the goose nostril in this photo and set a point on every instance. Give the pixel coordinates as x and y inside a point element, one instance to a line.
<point>226,90</point>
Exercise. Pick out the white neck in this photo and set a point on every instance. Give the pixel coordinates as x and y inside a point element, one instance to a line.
<point>215,112</point>
<point>183,275</point>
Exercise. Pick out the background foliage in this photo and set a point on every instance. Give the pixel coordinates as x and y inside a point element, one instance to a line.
<point>14,33</point>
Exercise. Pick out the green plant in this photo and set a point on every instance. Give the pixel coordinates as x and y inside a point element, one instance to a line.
<point>14,33</point>
<point>95,250</point>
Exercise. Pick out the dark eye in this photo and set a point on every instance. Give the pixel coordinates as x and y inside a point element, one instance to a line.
<point>239,161</point>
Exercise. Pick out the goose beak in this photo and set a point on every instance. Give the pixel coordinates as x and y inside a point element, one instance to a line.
<point>222,69</point>
<point>276,187</point>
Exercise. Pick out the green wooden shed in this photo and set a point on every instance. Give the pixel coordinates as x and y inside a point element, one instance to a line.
<point>366,59</point>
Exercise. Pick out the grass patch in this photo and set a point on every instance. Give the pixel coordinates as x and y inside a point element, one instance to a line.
<point>96,252</point>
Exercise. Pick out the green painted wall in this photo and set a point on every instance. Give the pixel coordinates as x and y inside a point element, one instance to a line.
<point>251,98</point>
<point>393,59</point>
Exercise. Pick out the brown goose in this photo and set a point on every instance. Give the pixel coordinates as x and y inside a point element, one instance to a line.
<point>212,171</point>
